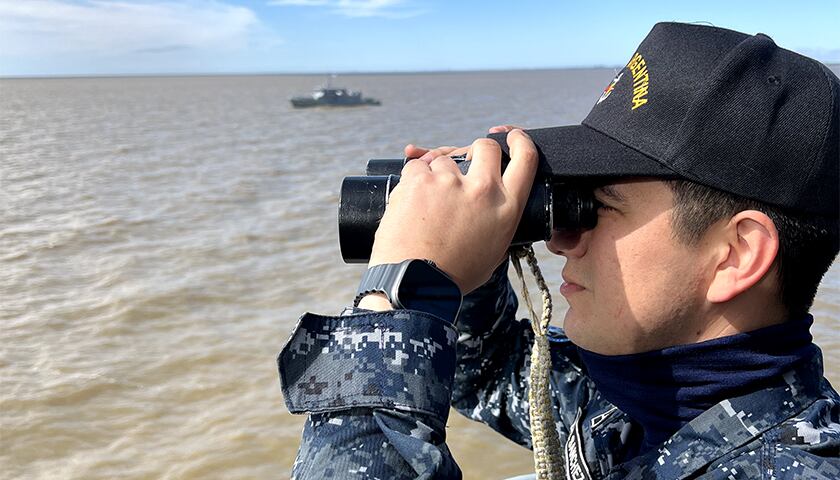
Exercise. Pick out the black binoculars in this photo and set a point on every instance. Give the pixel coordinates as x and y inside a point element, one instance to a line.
<point>553,204</point>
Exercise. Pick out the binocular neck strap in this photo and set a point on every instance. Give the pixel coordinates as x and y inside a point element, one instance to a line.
<point>548,453</point>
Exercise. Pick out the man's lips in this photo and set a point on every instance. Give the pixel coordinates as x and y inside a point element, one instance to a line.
<point>570,286</point>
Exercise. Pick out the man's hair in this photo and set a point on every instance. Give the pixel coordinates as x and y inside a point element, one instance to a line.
<point>807,244</point>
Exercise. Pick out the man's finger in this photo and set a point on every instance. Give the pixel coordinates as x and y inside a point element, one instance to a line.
<point>486,159</point>
<point>519,174</point>
<point>444,163</point>
<point>427,155</point>
<point>423,153</point>
<point>436,152</point>
<point>502,128</point>
<point>415,167</point>
<point>413,151</point>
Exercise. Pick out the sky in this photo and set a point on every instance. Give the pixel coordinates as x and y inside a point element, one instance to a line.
<point>114,37</point>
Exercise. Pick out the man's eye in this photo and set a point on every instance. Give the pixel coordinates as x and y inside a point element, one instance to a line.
<point>606,208</point>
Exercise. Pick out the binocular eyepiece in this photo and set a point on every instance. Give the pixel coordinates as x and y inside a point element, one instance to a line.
<point>552,205</point>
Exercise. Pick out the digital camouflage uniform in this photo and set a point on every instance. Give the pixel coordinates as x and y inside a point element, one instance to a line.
<point>378,387</point>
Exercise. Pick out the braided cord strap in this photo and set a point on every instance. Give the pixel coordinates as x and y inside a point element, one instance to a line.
<point>548,453</point>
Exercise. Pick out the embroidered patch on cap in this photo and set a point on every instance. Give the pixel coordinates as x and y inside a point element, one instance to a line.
<point>610,87</point>
<point>641,78</point>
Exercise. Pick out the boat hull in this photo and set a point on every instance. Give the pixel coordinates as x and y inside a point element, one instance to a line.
<point>307,102</point>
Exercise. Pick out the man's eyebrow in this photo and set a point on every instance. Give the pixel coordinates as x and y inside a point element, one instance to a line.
<point>610,192</point>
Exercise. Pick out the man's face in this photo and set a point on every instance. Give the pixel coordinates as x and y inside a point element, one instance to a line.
<point>631,285</point>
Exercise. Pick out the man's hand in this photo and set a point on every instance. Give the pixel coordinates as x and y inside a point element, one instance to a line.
<point>464,223</point>
<point>503,128</point>
<point>429,154</point>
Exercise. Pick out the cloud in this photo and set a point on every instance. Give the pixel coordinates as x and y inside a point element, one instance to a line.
<point>356,8</point>
<point>107,28</point>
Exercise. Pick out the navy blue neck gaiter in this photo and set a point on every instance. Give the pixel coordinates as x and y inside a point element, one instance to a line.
<point>664,389</point>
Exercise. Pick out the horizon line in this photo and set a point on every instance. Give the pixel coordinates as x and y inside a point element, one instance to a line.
<point>298,73</point>
<point>59,76</point>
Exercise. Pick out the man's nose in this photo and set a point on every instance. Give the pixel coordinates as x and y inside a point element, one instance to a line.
<point>569,243</point>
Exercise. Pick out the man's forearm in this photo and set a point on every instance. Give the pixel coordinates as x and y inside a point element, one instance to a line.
<point>378,387</point>
<point>491,376</point>
<point>374,443</point>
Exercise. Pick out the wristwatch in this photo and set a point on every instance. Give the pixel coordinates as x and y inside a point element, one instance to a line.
<point>413,285</point>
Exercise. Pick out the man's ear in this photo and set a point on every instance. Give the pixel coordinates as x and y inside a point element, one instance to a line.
<point>748,244</point>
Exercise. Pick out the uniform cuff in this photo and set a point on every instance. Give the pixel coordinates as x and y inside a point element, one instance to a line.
<point>397,359</point>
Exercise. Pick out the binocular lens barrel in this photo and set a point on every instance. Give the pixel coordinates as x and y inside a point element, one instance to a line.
<point>551,206</point>
<point>384,166</point>
<point>360,208</point>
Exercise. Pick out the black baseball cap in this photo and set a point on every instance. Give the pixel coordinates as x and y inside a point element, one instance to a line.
<point>718,107</point>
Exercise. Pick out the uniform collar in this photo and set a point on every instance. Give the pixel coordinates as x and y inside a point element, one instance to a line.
<point>663,390</point>
<point>729,425</point>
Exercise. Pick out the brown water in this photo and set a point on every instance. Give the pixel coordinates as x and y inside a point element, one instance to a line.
<point>159,238</point>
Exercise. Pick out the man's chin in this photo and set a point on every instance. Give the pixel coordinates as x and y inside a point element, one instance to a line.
<point>572,325</point>
<point>584,333</point>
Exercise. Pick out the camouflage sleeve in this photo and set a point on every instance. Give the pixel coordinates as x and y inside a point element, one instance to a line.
<point>377,387</point>
<point>493,363</point>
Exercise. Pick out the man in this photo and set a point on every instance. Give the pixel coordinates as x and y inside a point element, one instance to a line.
<point>686,350</point>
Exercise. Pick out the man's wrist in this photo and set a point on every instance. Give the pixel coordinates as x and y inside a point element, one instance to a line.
<point>376,302</point>
<point>411,284</point>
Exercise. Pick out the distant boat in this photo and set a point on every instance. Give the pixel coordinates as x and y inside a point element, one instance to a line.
<point>333,97</point>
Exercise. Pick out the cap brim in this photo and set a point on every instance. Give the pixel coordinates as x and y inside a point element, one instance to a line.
<point>580,151</point>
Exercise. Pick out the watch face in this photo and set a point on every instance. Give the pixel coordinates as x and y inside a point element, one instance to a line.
<point>426,288</point>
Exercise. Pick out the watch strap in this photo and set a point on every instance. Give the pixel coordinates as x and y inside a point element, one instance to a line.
<point>428,289</point>
<point>380,279</point>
